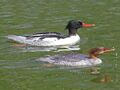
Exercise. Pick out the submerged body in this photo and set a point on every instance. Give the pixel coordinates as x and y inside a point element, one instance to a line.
<point>79,60</point>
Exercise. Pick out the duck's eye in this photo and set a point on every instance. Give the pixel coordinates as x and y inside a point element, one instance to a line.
<point>81,23</point>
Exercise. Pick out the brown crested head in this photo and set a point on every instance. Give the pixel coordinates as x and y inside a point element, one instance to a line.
<point>100,50</point>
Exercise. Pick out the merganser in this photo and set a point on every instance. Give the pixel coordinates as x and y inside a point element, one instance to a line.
<point>53,38</point>
<point>78,60</point>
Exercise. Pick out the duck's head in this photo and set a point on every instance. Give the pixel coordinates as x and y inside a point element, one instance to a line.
<point>95,52</point>
<point>73,25</point>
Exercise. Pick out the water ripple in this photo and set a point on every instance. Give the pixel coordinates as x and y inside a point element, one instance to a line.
<point>55,49</point>
<point>22,26</point>
<point>6,14</point>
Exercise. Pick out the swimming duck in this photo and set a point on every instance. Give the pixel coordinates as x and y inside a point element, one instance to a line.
<point>79,60</point>
<point>53,38</point>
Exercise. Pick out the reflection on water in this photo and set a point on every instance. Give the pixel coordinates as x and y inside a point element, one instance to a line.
<point>55,49</point>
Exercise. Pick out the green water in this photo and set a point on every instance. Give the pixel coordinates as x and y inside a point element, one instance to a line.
<point>20,71</point>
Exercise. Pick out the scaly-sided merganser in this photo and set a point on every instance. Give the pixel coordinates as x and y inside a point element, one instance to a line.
<point>78,60</point>
<point>53,38</point>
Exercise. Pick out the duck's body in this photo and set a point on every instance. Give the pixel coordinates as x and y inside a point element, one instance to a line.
<point>46,39</point>
<point>79,60</point>
<point>52,38</point>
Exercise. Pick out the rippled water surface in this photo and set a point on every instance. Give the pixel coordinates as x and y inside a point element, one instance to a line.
<point>19,69</point>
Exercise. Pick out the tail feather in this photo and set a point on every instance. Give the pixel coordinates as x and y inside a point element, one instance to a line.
<point>16,38</point>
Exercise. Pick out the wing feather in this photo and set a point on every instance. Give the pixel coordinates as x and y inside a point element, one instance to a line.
<point>46,34</point>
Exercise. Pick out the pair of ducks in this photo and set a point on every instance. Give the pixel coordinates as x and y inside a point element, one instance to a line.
<point>57,39</point>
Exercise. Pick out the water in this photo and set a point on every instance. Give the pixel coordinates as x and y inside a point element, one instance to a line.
<point>18,68</point>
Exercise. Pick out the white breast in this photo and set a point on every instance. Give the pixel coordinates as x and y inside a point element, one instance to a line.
<point>68,41</point>
<point>55,41</point>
